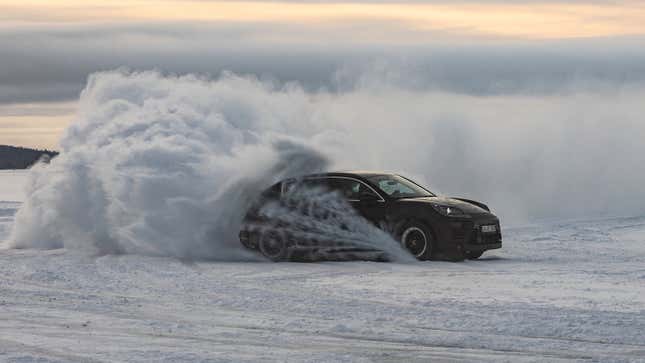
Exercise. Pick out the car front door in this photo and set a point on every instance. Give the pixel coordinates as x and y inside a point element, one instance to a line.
<point>361,197</point>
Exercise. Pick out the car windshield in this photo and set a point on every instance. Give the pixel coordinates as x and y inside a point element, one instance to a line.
<point>398,187</point>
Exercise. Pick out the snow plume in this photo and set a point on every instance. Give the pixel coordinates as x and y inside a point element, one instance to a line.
<point>325,218</point>
<point>162,166</point>
<point>166,165</point>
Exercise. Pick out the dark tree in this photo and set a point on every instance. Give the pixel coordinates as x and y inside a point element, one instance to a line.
<point>12,157</point>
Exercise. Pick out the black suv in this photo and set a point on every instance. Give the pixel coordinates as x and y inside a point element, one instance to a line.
<point>428,226</point>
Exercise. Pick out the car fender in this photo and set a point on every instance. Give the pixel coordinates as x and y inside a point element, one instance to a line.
<point>410,211</point>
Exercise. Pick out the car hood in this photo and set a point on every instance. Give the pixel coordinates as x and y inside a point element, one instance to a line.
<point>451,202</point>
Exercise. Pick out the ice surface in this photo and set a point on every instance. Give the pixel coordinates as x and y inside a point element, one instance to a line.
<point>12,184</point>
<point>557,291</point>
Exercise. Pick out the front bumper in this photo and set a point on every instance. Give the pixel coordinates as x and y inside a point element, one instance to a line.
<point>467,235</point>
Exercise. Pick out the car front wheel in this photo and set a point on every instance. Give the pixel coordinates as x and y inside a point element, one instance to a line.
<point>417,239</point>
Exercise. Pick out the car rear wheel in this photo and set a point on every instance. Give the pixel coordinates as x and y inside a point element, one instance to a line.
<point>273,245</point>
<point>418,240</point>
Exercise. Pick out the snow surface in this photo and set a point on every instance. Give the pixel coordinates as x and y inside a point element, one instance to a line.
<point>559,291</point>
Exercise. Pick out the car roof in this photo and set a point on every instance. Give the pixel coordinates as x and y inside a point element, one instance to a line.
<point>356,173</point>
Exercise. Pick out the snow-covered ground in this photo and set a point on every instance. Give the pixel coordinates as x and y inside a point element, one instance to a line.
<point>570,290</point>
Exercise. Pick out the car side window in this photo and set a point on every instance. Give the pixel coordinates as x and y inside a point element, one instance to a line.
<point>351,189</point>
<point>292,185</point>
<point>393,187</point>
<point>273,192</point>
<point>288,186</point>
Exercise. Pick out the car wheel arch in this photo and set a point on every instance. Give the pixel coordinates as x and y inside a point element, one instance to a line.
<point>397,224</point>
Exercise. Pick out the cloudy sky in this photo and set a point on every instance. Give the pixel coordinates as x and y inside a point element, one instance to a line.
<point>474,47</point>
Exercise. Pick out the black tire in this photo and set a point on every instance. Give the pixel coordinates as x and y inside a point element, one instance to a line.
<point>417,239</point>
<point>473,255</point>
<point>273,245</point>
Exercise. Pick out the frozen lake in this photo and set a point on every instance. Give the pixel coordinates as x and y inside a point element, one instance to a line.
<point>568,290</point>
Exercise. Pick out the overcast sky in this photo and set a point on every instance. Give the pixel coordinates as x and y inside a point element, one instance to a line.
<point>47,48</point>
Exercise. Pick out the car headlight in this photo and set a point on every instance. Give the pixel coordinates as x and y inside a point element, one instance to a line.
<point>449,211</point>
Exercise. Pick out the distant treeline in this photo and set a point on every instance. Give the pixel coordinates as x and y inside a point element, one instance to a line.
<point>12,157</point>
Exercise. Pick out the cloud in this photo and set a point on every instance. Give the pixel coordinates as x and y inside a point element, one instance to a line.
<point>51,63</point>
